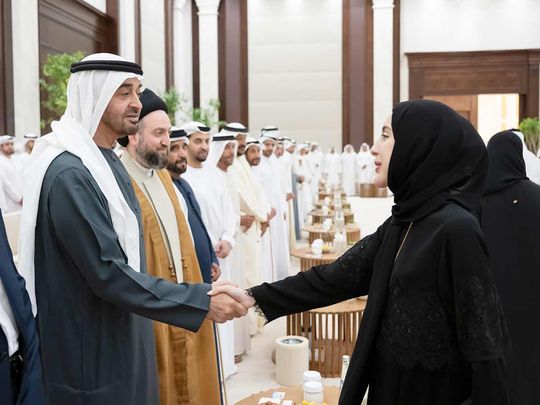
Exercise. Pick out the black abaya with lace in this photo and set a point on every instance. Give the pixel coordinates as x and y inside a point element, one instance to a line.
<point>441,336</point>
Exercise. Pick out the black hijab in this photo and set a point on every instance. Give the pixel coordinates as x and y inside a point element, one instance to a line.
<point>506,163</point>
<point>438,158</point>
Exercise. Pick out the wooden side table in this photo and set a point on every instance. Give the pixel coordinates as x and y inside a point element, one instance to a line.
<point>307,260</point>
<point>317,232</point>
<point>294,393</point>
<point>331,332</point>
<point>324,194</point>
<point>344,204</point>
<point>319,217</point>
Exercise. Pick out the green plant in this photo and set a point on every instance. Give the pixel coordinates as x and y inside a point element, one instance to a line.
<point>56,74</point>
<point>175,102</point>
<point>208,115</point>
<point>530,127</point>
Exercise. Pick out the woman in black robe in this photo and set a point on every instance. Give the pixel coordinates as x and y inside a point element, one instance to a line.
<point>511,222</point>
<point>433,330</point>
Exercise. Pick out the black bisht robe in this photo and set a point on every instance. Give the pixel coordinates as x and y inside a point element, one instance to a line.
<point>97,345</point>
<point>511,223</point>
<point>433,332</point>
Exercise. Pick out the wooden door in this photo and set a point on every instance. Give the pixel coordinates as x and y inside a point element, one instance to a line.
<point>466,106</point>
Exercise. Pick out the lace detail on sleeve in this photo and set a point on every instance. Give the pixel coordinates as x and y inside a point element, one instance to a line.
<point>481,327</point>
<point>357,265</point>
<point>256,308</point>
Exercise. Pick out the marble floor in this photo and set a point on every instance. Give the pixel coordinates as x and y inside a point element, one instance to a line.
<point>256,372</point>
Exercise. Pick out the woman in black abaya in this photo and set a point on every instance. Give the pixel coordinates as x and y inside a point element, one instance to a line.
<point>511,221</point>
<point>433,331</point>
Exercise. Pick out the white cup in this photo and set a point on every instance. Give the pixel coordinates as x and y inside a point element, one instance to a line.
<point>316,247</point>
<point>324,209</point>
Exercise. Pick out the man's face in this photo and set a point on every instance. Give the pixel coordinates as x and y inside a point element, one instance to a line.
<point>291,149</point>
<point>152,140</point>
<point>268,147</point>
<point>177,157</point>
<point>253,155</point>
<point>303,151</point>
<point>313,148</point>
<point>122,112</point>
<point>279,150</point>
<point>227,158</point>
<point>241,139</point>
<point>199,145</point>
<point>30,145</point>
<point>7,148</point>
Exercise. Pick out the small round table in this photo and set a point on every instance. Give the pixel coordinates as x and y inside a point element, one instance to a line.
<point>319,217</point>
<point>331,332</point>
<point>294,393</point>
<point>317,232</point>
<point>308,260</point>
<point>344,204</point>
<point>324,194</point>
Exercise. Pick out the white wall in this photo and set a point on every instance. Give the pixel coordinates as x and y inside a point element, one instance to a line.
<point>466,25</point>
<point>101,5</point>
<point>497,112</point>
<point>153,44</point>
<point>126,29</point>
<point>294,49</point>
<point>25,66</point>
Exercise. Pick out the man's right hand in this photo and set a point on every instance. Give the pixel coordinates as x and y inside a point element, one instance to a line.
<point>223,308</point>
<point>264,227</point>
<point>246,221</point>
<point>271,214</point>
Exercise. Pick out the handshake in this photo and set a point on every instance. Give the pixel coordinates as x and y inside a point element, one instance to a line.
<point>228,301</point>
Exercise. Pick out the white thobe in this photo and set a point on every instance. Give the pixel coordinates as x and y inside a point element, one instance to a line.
<point>315,161</point>
<point>252,202</point>
<point>285,163</point>
<point>242,341</point>
<point>11,184</point>
<point>532,165</point>
<point>365,163</point>
<point>304,194</point>
<point>277,230</point>
<point>348,168</point>
<point>219,217</point>
<point>332,169</point>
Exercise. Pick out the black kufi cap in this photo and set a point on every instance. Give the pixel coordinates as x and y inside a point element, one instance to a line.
<point>150,102</point>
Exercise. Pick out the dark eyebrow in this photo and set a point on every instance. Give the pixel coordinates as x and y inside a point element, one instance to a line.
<point>386,127</point>
<point>126,85</point>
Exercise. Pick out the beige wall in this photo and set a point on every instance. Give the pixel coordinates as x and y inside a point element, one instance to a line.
<point>294,49</point>
<point>153,44</point>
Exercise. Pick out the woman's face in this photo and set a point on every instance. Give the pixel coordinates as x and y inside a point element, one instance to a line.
<point>382,151</point>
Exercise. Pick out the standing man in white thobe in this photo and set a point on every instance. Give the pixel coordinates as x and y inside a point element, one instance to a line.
<point>269,169</point>
<point>332,168</point>
<point>365,163</point>
<point>253,204</point>
<point>315,162</point>
<point>223,151</point>
<point>11,174</point>
<point>303,186</point>
<point>348,168</point>
<point>218,214</point>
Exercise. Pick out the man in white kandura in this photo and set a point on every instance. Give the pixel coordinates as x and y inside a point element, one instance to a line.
<point>348,168</point>
<point>218,214</point>
<point>277,198</point>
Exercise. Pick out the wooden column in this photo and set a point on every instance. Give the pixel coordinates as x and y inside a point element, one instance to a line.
<point>7,124</point>
<point>169,45</point>
<point>357,68</point>
<point>233,61</point>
